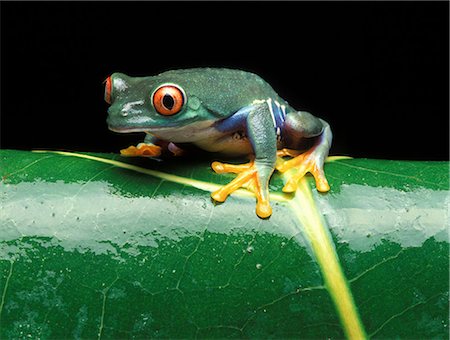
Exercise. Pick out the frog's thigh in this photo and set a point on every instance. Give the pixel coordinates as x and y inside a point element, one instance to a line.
<point>302,124</point>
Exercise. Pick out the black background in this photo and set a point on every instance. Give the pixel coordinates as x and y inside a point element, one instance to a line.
<point>376,71</point>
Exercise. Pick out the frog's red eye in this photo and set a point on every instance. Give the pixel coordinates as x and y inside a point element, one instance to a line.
<point>168,100</point>
<point>108,89</point>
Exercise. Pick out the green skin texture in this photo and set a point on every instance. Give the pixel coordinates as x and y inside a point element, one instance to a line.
<point>212,95</point>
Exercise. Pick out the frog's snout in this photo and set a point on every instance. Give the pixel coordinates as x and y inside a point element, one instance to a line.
<point>128,116</point>
<point>115,118</point>
<point>115,113</point>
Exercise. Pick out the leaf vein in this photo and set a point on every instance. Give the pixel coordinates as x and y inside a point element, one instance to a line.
<point>417,179</point>
<point>401,313</point>
<point>393,257</point>
<point>2,303</point>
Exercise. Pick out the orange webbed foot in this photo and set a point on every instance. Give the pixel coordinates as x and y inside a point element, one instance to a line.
<point>142,150</point>
<point>247,177</point>
<point>310,161</point>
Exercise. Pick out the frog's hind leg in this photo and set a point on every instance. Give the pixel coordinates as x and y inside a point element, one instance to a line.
<point>303,125</point>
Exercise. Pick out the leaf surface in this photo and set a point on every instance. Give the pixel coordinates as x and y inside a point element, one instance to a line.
<point>100,246</point>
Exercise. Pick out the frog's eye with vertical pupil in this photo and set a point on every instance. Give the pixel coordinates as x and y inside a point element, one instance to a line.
<point>168,99</point>
<point>108,89</point>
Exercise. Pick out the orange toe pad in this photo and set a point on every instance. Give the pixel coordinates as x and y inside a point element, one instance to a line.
<point>142,150</point>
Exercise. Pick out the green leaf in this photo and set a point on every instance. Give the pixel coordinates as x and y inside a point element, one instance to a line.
<point>100,246</point>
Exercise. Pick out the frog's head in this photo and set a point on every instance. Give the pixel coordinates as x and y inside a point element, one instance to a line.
<point>152,104</point>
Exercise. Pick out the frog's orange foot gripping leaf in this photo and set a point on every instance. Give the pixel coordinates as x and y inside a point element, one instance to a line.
<point>247,178</point>
<point>142,150</point>
<point>310,161</point>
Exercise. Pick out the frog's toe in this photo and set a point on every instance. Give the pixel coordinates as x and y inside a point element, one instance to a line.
<point>263,209</point>
<point>240,181</point>
<point>321,181</point>
<point>129,152</point>
<point>291,185</point>
<point>222,168</point>
<point>283,166</point>
<point>142,150</point>
<point>218,167</point>
<point>219,196</point>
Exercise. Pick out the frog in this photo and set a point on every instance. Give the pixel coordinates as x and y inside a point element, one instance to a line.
<point>222,111</point>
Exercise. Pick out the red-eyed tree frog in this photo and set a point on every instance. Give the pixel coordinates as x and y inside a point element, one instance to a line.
<point>224,111</point>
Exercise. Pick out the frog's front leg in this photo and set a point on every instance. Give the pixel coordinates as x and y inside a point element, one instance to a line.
<point>300,125</point>
<point>256,174</point>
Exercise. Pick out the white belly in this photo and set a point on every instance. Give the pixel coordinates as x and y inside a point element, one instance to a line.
<point>232,145</point>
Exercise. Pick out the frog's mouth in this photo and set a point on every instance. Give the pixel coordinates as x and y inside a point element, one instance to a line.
<point>127,130</point>
<point>181,134</point>
<point>146,129</point>
<point>168,127</point>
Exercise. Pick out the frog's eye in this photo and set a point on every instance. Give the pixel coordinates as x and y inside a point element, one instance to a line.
<point>168,100</point>
<point>108,89</point>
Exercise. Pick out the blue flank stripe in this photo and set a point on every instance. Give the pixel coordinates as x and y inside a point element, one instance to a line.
<point>237,120</point>
<point>234,122</point>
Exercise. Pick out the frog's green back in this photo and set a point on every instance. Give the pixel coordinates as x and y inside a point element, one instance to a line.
<point>223,91</point>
